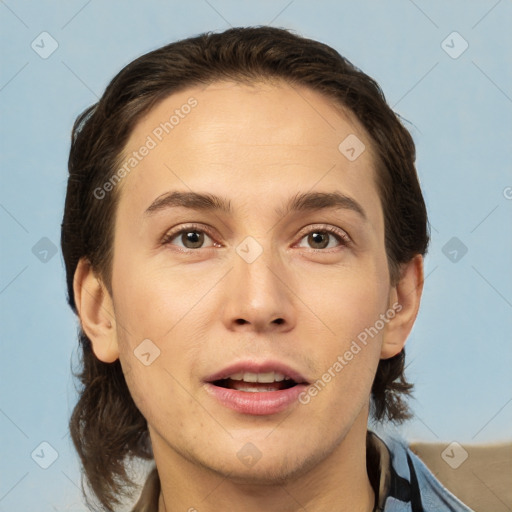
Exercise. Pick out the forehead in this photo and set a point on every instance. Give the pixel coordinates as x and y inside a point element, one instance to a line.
<point>247,140</point>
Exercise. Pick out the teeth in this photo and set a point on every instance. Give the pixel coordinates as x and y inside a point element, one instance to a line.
<point>266,377</point>
<point>259,377</point>
<point>257,390</point>
<point>251,377</point>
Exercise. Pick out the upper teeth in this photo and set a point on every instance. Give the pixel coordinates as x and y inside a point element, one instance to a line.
<point>259,377</point>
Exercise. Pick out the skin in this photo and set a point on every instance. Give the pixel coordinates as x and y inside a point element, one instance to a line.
<point>256,145</point>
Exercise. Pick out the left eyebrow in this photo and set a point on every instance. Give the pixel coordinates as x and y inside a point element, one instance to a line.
<point>311,201</point>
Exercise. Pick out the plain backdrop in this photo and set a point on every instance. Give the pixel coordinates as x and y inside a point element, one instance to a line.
<point>445,67</point>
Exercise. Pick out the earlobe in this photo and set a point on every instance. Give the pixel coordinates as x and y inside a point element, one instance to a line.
<point>94,307</point>
<point>405,300</point>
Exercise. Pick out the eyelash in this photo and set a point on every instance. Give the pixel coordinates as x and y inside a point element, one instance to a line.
<point>343,239</point>
<point>169,237</point>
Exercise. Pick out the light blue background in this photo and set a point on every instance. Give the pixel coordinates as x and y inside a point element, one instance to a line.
<point>459,110</point>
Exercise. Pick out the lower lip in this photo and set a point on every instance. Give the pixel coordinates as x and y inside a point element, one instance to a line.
<point>259,403</point>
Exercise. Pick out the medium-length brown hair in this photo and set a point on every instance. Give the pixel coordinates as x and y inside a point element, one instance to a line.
<point>106,426</point>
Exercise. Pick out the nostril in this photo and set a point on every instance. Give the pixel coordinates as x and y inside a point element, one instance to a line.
<point>241,321</point>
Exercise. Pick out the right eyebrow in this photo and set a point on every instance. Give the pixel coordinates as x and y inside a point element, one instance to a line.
<point>192,200</point>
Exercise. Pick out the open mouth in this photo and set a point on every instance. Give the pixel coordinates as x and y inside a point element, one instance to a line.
<point>256,382</point>
<point>256,389</point>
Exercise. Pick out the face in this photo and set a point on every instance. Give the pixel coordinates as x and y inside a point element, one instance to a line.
<point>249,254</point>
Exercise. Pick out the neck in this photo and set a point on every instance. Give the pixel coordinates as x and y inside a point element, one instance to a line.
<point>338,482</point>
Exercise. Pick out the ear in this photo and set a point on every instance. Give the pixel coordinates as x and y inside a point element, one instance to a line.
<point>96,312</point>
<point>404,300</point>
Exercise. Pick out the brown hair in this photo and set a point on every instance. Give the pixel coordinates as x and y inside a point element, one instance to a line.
<point>106,426</point>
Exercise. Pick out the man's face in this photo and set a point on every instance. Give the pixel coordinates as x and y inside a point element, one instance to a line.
<point>256,292</point>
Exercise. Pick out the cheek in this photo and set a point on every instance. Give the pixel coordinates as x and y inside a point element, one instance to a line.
<point>150,313</point>
<point>151,300</point>
<point>348,309</point>
<point>162,396</point>
<point>160,311</point>
<point>348,300</point>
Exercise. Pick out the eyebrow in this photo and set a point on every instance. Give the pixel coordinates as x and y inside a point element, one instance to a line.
<point>192,200</point>
<point>312,201</point>
<point>308,201</point>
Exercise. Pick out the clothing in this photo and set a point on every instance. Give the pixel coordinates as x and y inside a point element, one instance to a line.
<point>400,480</point>
<point>405,484</point>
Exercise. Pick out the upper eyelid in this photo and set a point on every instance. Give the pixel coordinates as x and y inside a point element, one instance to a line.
<point>173,233</point>
<point>325,227</point>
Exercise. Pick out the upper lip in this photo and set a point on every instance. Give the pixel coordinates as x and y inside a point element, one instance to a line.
<point>257,367</point>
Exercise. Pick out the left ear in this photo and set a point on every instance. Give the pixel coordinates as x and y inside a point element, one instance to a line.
<point>404,299</point>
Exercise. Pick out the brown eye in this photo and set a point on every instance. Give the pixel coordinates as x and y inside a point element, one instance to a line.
<point>192,239</point>
<point>189,238</point>
<point>318,239</point>
<point>326,238</point>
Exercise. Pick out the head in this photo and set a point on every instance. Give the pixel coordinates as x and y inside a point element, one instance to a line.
<point>259,133</point>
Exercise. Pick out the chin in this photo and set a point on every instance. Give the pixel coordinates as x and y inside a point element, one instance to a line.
<point>277,469</point>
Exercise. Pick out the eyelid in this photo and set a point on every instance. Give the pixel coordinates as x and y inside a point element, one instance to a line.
<point>173,233</point>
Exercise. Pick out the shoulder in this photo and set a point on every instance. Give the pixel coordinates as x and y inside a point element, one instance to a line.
<point>412,486</point>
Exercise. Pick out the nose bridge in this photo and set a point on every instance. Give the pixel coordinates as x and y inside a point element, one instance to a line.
<point>258,295</point>
<point>253,267</point>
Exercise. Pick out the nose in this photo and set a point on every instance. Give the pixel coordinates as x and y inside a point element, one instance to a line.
<point>257,296</point>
